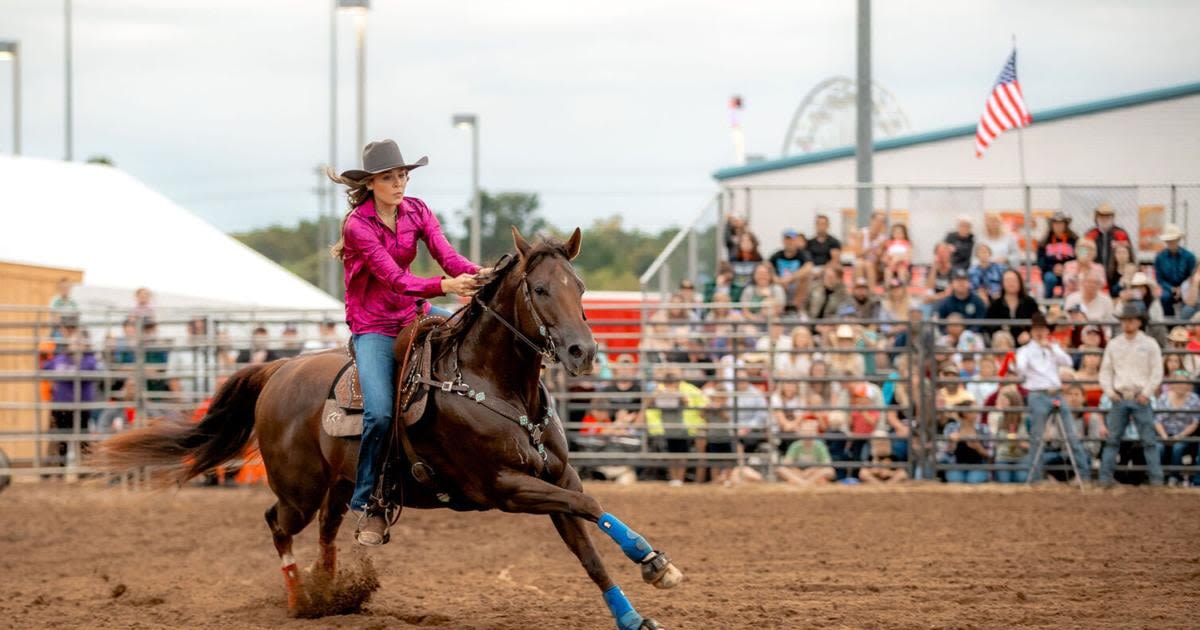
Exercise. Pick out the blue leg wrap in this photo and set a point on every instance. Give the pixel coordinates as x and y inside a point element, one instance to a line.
<point>635,547</point>
<point>627,618</point>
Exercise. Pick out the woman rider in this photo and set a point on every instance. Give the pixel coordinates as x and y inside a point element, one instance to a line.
<point>378,244</point>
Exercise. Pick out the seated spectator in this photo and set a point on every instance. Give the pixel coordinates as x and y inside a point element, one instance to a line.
<point>1084,425</point>
<point>1084,265</point>
<point>1011,426</point>
<point>827,297</point>
<point>1055,251</point>
<point>820,390</point>
<point>687,293</point>
<point>1108,237</point>
<point>722,284</point>
<point>873,242</point>
<point>679,403</point>
<point>861,305</point>
<point>986,274</point>
<point>961,299</point>
<point>985,385</point>
<point>966,449</point>
<point>1004,347</point>
<point>797,359</point>
<point>1142,293</point>
<point>1087,376</point>
<point>766,297</point>
<point>807,460</point>
<point>1190,302</point>
<point>846,362</point>
<point>896,304</point>
<point>959,337</point>
<point>1094,302</point>
<point>999,240</point>
<point>878,468</point>
<point>787,404</point>
<point>623,396</point>
<point>823,247</point>
<point>1062,331</point>
<point>1014,303</point>
<point>897,255</point>
<point>793,265</point>
<point>1121,269</point>
<point>1172,268</point>
<point>1178,416</point>
<point>1180,341</point>
<point>963,242</point>
<point>865,417</point>
<point>952,391</point>
<point>937,282</point>
<point>745,259</point>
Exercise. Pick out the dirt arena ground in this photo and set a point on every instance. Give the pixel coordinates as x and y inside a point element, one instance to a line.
<point>766,557</point>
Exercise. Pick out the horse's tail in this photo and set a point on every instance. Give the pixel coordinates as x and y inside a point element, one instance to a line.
<point>185,449</point>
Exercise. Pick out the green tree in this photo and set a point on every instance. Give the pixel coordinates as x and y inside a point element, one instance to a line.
<point>498,212</point>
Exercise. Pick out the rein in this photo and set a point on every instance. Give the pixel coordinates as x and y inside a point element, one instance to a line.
<point>548,352</point>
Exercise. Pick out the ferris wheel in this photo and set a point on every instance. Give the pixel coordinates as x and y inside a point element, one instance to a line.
<point>825,118</point>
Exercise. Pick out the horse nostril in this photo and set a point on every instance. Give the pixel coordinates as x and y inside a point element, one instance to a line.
<point>576,351</point>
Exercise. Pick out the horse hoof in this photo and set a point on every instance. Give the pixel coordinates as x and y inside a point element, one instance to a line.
<point>650,624</point>
<point>659,571</point>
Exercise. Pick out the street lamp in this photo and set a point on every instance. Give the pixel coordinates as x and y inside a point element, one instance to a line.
<point>12,50</point>
<point>471,121</point>
<point>359,9</point>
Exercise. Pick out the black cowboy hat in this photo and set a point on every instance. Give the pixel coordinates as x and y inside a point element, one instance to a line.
<point>1132,310</point>
<point>380,157</point>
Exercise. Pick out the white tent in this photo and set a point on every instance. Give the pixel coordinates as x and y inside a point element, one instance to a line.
<point>123,235</point>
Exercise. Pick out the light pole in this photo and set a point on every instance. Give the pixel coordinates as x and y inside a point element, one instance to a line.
<point>359,9</point>
<point>12,50</point>
<point>464,121</point>
<point>330,225</point>
<point>68,105</point>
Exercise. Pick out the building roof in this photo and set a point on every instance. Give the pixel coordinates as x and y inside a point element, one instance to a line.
<point>124,235</point>
<point>1059,113</point>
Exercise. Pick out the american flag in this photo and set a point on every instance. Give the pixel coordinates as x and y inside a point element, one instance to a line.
<point>1005,107</point>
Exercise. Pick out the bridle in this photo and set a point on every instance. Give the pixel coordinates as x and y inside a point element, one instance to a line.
<point>548,352</point>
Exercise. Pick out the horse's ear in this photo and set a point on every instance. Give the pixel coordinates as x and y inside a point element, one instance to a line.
<point>520,243</point>
<point>573,244</point>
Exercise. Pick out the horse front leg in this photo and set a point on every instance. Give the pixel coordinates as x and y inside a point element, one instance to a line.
<point>569,507</point>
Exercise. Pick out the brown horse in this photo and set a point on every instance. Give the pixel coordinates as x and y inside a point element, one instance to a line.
<point>530,310</point>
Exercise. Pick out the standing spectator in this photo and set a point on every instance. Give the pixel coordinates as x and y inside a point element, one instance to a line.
<point>823,247</point>
<point>1106,235</point>
<point>1010,425</point>
<point>327,339</point>
<point>745,260</point>
<point>72,356</point>
<point>961,299</point>
<point>193,364</point>
<point>1038,363</point>
<point>735,226</point>
<point>157,358</point>
<point>1054,252</point>
<point>963,435</point>
<point>937,283</point>
<point>623,395</point>
<point>260,350</point>
<point>62,302</point>
<point>1172,267</point>
<point>1084,264</point>
<point>143,307</point>
<point>1130,374</point>
<point>1096,304</point>
<point>986,274</point>
<point>766,297</point>
<point>962,240</point>
<point>291,344</point>
<point>1178,417</point>
<point>675,402</point>
<point>1000,241</point>
<point>793,264</point>
<point>1014,303</point>
<point>826,298</point>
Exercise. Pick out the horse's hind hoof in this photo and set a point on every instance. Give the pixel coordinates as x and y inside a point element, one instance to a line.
<point>650,624</point>
<point>659,571</point>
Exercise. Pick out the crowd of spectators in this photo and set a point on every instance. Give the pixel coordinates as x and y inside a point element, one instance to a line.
<point>96,387</point>
<point>808,358</point>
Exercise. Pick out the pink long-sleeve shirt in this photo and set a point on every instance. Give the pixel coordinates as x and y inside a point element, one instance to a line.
<point>381,291</point>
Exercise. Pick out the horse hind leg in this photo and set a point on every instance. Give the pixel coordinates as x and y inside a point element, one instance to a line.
<point>337,502</point>
<point>285,522</point>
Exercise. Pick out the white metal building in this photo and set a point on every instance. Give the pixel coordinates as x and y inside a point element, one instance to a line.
<point>123,235</point>
<point>1127,150</point>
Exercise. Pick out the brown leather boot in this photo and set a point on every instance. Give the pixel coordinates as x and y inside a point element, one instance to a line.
<point>372,529</point>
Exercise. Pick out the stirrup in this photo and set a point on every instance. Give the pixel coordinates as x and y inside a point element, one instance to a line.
<point>387,529</point>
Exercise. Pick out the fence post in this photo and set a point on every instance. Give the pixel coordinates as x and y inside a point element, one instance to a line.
<point>1028,235</point>
<point>1173,211</point>
<point>693,254</point>
<point>772,431</point>
<point>38,419</point>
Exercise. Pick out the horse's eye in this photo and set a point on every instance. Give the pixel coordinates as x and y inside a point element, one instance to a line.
<point>540,290</point>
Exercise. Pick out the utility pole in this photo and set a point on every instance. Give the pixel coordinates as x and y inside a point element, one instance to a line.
<point>322,230</point>
<point>862,142</point>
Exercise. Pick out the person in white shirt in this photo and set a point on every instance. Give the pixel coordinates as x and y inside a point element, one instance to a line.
<point>1096,303</point>
<point>1038,363</point>
<point>1130,374</point>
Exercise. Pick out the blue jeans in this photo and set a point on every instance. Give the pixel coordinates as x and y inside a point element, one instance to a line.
<point>1117,420</point>
<point>1010,476</point>
<point>376,372</point>
<point>966,476</point>
<point>1176,451</point>
<point>1049,282</point>
<point>1040,406</point>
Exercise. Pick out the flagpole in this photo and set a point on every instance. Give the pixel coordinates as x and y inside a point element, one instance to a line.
<point>1025,193</point>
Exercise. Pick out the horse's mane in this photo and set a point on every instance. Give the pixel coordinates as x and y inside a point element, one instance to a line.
<point>462,321</point>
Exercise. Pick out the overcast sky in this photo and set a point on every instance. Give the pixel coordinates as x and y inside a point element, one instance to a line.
<point>602,107</point>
